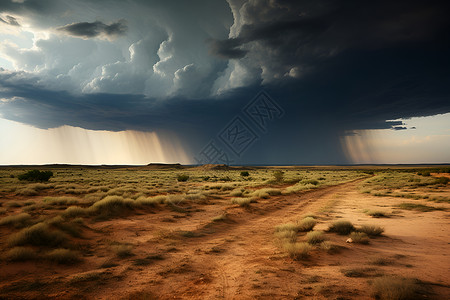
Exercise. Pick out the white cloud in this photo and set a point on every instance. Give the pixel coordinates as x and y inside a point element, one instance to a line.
<point>149,58</point>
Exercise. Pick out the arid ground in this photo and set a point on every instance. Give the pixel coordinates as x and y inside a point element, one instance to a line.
<point>213,232</point>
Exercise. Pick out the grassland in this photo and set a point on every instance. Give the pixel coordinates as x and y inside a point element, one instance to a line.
<point>97,226</point>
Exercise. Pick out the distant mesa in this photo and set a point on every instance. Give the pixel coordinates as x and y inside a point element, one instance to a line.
<point>160,166</point>
<point>208,167</point>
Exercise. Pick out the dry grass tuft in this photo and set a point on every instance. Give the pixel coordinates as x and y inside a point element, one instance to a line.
<point>20,254</point>
<point>150,201</point>
<point>418,207</point>
<point>297,250</point>
<point>63,256</point>
<point>286,236</point>
<point>394,288</point>
<point>329,247</point>
<point>72,228</point>
<point>315,237</point>
<point>244,202</point>
<point>38,235</point>
<point>123,251</point>
<point>341,227</point>
<point>306,224</point>
<point>221,218</point>
<point>376,214</point>
<point>371,230</point>
<point>111,206</point>
<point>359,237</point>
<point>18,221</point>
<point>74,211</point>
<point>61,200</point>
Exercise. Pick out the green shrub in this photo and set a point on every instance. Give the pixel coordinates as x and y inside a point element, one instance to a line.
<point>341,227</point>
<point>278,176</point>
<point>36,175</point>
<point>442,180</point>
<point>424,173</point>
<point>359,237</point>
<point>182,177</point>
<point>245,174</point>
<point>63,256</point>
<point>315,237</point>
<point>20,254</point>
<point>371,230</point>
<point>37,235</point>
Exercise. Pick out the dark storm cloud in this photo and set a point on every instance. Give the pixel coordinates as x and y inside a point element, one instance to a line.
<point>227,48</point>
<point>34,6</point>
<point>94,29</point>
<point>300,31</point>
<point>399,128</point>
<point>10,20</point>
<point>365,62</point>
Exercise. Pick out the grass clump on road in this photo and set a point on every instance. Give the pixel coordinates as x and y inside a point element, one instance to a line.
<point>359,237</point>
<point>341,227</point>
<point>371,230</point>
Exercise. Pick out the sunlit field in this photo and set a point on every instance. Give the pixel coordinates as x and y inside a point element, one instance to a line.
<point>162,230</point>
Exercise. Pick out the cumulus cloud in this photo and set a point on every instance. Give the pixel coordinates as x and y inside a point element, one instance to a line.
<point>156,44</point>
<point>95,29</point>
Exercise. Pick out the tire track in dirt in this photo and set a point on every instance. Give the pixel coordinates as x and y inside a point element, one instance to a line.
<point>248,245</point>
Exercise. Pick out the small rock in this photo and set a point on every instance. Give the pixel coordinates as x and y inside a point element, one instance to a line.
<point>349,240</point>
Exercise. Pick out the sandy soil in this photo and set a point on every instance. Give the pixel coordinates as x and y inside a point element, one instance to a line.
<point>184,255</point>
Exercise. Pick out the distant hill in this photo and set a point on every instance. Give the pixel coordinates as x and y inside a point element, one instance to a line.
<point>160,166</point>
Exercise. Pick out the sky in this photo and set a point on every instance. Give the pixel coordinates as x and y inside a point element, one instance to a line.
<point>216,81</point>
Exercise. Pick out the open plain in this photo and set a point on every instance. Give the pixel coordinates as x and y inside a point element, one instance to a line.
<point>218,232</point>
